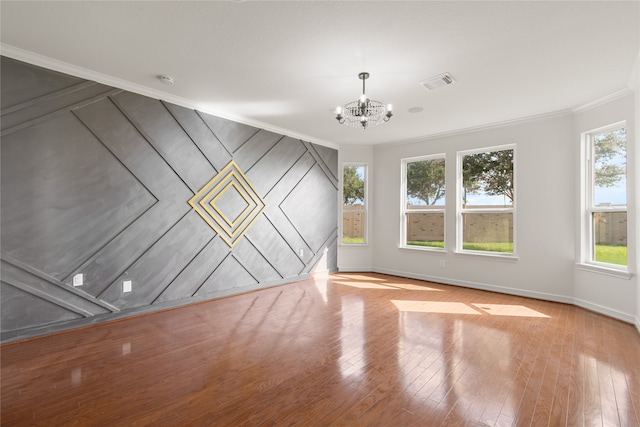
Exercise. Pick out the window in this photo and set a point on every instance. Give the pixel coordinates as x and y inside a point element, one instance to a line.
<point>605,233</point>
<point>423,202</point>
<point>486,200</point>
<point>354,206</point>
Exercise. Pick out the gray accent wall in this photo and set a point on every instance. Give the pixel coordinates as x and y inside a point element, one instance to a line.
<point>96,181</point>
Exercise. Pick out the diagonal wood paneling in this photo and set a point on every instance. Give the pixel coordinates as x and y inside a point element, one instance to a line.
<point>193,125</point>
<point>96,181</point>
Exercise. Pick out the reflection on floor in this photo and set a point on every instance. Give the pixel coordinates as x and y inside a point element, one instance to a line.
<point>345,349</point>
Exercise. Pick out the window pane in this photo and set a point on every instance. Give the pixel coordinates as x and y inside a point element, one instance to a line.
<point>610,237</point>
<point>425,229</point>
<point>491,232</point>
<point>353,185</point>
<point>425,183</point>
<point>354,204</point>
<point>353,224</point>
<point>487,179</point>
<point>610,168</point>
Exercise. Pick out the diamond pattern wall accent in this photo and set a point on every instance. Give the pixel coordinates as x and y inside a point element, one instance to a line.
<point>120,186</point>
<point>224,218</point>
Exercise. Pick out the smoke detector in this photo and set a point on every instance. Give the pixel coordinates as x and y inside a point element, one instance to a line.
<point>438,81</point>
<point>166,80</point>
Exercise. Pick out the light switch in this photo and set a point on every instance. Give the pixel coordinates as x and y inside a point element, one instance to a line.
<point>127,286</point>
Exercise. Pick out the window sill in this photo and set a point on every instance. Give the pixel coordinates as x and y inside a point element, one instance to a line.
<point>423,249</point>
<point>488,255</point>
<point>614,272</point>
<point>353,245</point>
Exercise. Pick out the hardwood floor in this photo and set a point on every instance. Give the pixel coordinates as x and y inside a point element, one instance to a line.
<point>346,349</point>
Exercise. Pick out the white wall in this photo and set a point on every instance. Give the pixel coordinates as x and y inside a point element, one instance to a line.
<point>544,212</point>
<point>547,212</point>
<point>357,257</point>
<point>636,148</point>
<point>634,84</point>
<point>615,296</point>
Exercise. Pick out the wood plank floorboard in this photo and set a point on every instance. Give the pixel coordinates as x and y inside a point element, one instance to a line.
<point>337,350</point>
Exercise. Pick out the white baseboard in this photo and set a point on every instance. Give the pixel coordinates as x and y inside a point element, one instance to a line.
<point>616,314</point>
<point>355,270</point>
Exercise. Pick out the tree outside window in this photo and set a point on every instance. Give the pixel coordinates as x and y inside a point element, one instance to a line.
<point>607,196</point>
<point>354,204</point>
<point>487,198</point>
<point>423,202</point>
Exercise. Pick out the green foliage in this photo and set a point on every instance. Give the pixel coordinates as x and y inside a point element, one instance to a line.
<point>347,239</point>
<point>352,186</point>
<point>426,180</point>
<point>430,243</point>
<point>505,247</point>
<point>612,254</point>
<point>607,148</point>
<point>491,172</point>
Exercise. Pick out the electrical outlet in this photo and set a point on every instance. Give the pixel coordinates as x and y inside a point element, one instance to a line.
<point>443,263</point>
<point>78,279</point>
<point>127,286</point>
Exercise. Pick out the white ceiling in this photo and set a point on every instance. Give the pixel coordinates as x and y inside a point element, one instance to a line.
<point>285,66</point>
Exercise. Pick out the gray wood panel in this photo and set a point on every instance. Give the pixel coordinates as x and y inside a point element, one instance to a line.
<point>20,115</point>
<point>266,239</point>
<point>274,165</point>
<point>229,274</point>
<point>231,134</point>
<point>154,270</point>
<point>72,195</point>
<point>22,310</point>
<point>194,275</point>
<point>255,148</point>
<point>163,132</point>
<point>97,181</point>
<point>25,82</point>
<point>306,207</point>
<point>193,124</point>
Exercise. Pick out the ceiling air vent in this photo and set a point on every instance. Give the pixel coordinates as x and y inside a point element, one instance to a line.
<point>438,81</point>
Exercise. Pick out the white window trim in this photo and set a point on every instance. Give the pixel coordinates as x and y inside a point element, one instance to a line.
<point>365,208</point>
<point>587,261</point>
<point>460,210</point>
<point>403,204</point>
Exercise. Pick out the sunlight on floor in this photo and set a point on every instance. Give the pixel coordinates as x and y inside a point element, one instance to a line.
<point>365,285</point>
<point>509,310</point>
<point>322,289</point>
<point>411,287</point>
<point>434,307</point>
<point>462,308</point>
<point>359,277</point>
<point>352,342</point>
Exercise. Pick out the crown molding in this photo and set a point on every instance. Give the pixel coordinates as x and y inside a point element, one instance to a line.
<point>478,128</point>
<point>85,73</point>
<point>604,100</point>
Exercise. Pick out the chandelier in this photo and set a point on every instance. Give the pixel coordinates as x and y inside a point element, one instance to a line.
<point>364,112</point>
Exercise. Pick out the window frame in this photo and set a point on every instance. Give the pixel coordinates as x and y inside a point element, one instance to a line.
<point>460,210</point>
<point>365,207</point>
<point>588,207</point>
<point>403,203</point>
